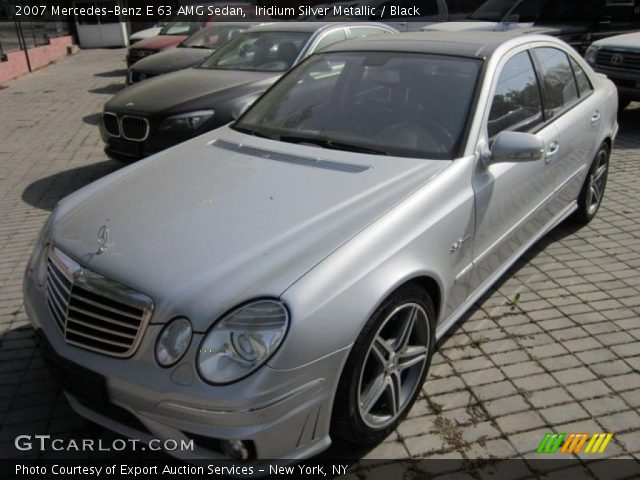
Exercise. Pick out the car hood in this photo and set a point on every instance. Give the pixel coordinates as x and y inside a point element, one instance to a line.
<point>146,33</point>
<point>185,89</point>
<point>171,60</point>
<point>159,42</point>
<point>628,40</point>
<point>200,228</point>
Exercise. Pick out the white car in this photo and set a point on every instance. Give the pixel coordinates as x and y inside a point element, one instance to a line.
<point>147,33</point>
<point>619,59</point>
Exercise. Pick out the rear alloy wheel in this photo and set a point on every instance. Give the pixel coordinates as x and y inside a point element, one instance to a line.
<point>386,368</point>
<point>592,193</point>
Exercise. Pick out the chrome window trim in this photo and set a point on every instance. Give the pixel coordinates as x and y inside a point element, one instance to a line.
<point>325,33</point>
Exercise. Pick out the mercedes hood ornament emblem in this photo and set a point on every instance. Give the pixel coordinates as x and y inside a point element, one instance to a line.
<point>103,237</point>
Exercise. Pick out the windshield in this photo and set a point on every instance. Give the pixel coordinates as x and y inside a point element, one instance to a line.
<point>493,10</point>
<point>385,103</point>
<point>259,51</point>
<point>214,36</point>
<point>180,28</point>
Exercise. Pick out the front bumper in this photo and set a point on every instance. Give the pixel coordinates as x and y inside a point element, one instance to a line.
<point>283,414</point>
<point>128,151</point>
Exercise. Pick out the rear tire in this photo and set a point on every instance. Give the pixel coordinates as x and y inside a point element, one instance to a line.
<point>386,368</point>
<point>592,193</point>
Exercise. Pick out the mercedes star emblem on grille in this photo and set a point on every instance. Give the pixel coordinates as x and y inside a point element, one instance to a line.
<point>103,236</point>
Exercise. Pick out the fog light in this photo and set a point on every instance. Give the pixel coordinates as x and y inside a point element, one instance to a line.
<point>173,341</point>
<point>235,449</point>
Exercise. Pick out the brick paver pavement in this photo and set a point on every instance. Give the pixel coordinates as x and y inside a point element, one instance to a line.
<point>553,347</point>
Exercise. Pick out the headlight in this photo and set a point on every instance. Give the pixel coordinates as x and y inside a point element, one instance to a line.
<point>592,53</point>
<point>186,121</point>
<point>38,262</point>
<point>242,341</point>
<point>173,341</point>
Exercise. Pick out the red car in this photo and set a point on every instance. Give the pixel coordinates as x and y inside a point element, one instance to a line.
<point>173,33</point>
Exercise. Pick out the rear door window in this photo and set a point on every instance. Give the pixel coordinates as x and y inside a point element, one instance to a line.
<point>584,84</point>
<point>558,82</point>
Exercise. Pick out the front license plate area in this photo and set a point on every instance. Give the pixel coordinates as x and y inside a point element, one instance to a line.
<point>125,147</point>
<point>89,387</point>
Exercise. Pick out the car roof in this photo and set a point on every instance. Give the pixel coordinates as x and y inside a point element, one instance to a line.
<point>215,25</point>
<point>464,44</point>
<point>310,27</point>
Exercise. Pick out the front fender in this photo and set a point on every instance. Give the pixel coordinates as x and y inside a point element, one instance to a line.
<point>331,303</point>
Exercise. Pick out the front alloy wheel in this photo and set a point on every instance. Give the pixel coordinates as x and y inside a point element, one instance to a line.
<point>386,368</point>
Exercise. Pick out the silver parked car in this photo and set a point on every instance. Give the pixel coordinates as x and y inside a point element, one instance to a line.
<point>617,57</point>
<point>283,280</point>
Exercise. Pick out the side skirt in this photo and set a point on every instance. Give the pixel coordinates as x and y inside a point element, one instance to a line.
<point>482,289</point>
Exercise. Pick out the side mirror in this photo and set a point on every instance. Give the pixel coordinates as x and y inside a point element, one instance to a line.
<point>516,147</point>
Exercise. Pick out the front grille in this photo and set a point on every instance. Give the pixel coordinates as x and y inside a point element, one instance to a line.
<point>618,59</point>
<point>134,128</point>
<point>140,53</point>
<point>111,124</point>
<point>139,76</point>
<point>92,311</point>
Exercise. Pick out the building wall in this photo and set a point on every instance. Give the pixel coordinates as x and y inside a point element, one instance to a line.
<point>16,62</point>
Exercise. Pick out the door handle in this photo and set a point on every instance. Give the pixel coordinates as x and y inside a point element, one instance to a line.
<point>595,118</point>
<point>552,151</point>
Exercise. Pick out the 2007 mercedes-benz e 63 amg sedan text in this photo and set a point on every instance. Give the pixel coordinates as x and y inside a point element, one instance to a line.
<point>281,281</point>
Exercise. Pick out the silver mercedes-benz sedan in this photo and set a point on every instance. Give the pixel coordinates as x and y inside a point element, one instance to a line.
<point>283,280</point>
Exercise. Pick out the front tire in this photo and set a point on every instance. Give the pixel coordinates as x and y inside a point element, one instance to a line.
<point>386,368</point>
<point>592,193</point>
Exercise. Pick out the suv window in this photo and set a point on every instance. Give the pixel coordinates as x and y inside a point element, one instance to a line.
<point>559,84</point>
<point>527,11</point>
<point>584,85</point>
<point>330,38</point>
<point>516,103</point>
<point>620,11</point>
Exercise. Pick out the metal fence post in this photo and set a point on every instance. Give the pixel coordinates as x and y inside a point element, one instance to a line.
<point>23,43</point>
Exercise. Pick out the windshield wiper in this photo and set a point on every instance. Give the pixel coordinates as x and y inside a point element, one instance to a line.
<point>252,131</point>
<point>331,144</point>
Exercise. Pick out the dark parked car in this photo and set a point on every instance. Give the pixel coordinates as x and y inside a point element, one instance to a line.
<point>174,33</point>
<point>577,22</point>
<point>171,35</point>
<point>619,59</point>
<point>160,112</point>
<point>189,53</point>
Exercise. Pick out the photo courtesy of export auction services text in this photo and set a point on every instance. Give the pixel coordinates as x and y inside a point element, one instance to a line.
<point>226,470</point>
